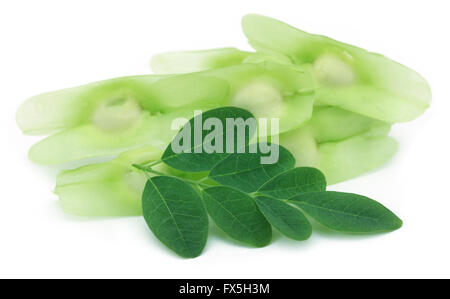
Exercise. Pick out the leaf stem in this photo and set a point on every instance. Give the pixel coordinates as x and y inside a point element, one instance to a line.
<point>143,169</point>
<point>151,164</point>
<point>148,169</point>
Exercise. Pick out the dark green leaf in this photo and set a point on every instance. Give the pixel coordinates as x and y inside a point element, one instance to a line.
<point>245,172</point>
<point>237,215</point>
<point>192,161</point>
<point>347,212</point>
<point>293,182</point>
<point>288,220</point>
<point>176,215</point>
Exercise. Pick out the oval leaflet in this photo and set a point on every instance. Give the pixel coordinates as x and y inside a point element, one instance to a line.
<point>176,215</point>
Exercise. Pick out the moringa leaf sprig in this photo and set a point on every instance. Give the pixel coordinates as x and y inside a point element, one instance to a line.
<point>246,198</point>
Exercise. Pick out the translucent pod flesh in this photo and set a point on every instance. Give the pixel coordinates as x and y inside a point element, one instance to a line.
<point>269,90</point>
<point>352,157</point>
<point>115,103</point>
<point>195,61</point>
<point>112,188</point>
<point>118,119</point>
<point>348,77</point>
<point>302,145</point>
<point>340,160</point>
<point>268,56</point>
<point>67,108</point>
<point>90,140</point>
<point>109,117</point>
<point>342,144</point>
<point>114,118</point>
<point>330,123</point>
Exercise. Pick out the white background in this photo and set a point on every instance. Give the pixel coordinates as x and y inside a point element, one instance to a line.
<point>48,45</point>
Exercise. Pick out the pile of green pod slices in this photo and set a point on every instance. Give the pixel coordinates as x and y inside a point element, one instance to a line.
<point>336,104</point>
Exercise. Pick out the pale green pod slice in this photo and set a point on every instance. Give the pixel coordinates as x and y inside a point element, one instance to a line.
<point>116,103</point>
<point>114,120</point>
<point>330,123</point>
<point>340,160</point>
<point>301,143</point>
<point>195,61</point>
<point>111,117</point>
<point>106,189</point>
<point>263,86</point>
<point>342,144</point>
<point>352,157</point>
<point>89,140</point>
<point>348,77</point>
<point>270,90</point>
<point>67,108</point>
<point>202,60</point>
